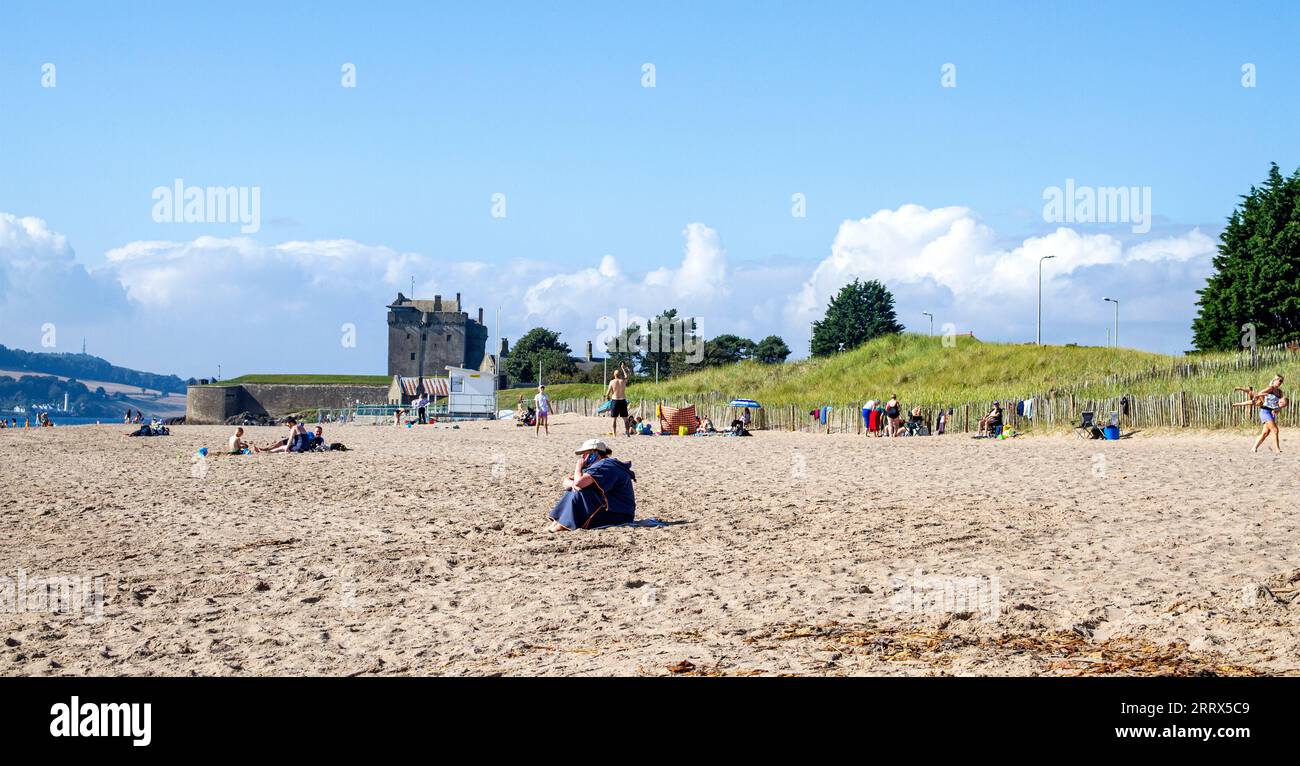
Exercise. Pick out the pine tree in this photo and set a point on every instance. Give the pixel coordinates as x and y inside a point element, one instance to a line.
<point>859,312</point>
<point>1256,279</point>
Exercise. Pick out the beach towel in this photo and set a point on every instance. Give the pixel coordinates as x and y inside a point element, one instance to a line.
<point>673,418</point>
<point>610,500</point>
<point>653,523</point>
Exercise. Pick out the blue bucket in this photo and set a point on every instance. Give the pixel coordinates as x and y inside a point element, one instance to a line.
<point>1111,432</point>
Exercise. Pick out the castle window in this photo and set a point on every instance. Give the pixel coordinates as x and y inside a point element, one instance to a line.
<point>449,338</point>
<point>412,356</point>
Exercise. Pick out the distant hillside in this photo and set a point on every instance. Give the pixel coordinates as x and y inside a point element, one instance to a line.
<point>921,370</point>
<point>86,367</point>
<point>318,380</point>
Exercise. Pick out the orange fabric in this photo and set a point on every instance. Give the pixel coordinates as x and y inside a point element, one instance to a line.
<point>671,418</point>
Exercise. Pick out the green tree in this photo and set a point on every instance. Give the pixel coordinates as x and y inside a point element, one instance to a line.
<point>539,345</point>
<point>624,349</point>
<point>727,349</point>
<point>1256,279</point>
<point>859,312</point>
<point>771,350</point>
<point>669,337</point>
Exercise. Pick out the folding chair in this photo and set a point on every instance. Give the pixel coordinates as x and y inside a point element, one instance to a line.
<point>1087,429</point>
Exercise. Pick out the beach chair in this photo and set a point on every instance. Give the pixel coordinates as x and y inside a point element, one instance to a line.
<point>1087,428</point>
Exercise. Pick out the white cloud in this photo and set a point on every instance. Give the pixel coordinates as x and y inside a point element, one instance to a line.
<point>946,261</point>
<point>42,282</point>
<point>185,306</point>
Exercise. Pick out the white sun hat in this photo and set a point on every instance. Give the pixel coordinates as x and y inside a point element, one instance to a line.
<point>596,445</point>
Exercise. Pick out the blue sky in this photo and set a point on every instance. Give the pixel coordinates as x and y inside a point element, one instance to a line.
<point>753,102</point>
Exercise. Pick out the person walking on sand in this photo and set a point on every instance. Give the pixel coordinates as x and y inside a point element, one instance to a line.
<point>543,403</point>
<point>617,393</point>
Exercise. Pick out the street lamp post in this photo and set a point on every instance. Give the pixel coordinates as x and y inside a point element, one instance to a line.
<point>928,314</point>
<point>1038,336</point>
<point>1114,335</point>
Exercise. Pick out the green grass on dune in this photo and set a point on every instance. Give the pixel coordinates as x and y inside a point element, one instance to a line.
<point>320,380</point>
<point>921,370</point>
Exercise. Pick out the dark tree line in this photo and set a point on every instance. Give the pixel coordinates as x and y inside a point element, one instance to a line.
<point>86,367</point>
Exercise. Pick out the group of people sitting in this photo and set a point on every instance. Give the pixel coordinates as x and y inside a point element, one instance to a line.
<point>154,427</point>
<point>888,419</point>
<point>297,440</point>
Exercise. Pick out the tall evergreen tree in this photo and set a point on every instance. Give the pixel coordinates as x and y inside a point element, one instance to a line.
<point>859,312</point>
<point>771,350</point>
<point>1256,279</point>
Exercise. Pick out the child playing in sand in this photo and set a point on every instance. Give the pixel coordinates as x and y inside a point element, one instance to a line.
<point>237,445</point>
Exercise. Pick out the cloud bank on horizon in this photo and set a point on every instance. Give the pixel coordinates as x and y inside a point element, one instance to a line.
<point>185,307</point>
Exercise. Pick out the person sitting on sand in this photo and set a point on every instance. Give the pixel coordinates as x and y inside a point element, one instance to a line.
<point>992,421</point>
<point>598,494</point>
<point>706,426</point>
<point>297,432</point>
<point>237,445</point>
<point>314,440</point>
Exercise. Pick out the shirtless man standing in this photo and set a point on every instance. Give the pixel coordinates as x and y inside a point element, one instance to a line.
<point>617,393</point>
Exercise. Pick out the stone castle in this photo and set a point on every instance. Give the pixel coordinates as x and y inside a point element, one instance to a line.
<point>427,337</point>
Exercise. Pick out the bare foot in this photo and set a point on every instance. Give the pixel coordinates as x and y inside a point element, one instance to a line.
<point>557,527</point>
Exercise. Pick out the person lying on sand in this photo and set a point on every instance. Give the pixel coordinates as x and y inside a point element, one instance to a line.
<point>313,440</point>
<point>598,494</point>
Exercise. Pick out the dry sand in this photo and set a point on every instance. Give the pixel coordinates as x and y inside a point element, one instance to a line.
<point>423,551</point>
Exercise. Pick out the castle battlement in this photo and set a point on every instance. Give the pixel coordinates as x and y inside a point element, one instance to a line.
<point>425,337</point>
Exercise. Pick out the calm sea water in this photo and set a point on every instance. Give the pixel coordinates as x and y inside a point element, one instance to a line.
<point>68,420</point>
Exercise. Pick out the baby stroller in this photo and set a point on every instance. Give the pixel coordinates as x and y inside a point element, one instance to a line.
<point>530,417</point>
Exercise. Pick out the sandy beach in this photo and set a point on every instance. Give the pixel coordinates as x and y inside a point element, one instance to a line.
<point>423,551</point>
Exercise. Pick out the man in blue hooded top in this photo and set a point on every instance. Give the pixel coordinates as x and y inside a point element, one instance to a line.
<point>599,494</point>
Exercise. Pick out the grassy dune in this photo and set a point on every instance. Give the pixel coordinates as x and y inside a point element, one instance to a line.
<point>921,370</point>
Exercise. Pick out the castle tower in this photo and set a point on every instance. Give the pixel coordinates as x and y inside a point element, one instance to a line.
<point>426,337</point>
